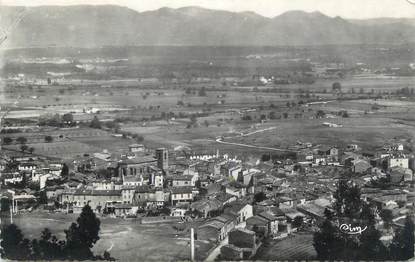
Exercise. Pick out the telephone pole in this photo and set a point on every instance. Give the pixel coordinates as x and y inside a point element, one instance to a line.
<point>12,210</point>
<point>192,245</point>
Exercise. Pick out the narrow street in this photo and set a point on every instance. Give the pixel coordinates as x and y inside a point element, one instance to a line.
<point>215,252</point>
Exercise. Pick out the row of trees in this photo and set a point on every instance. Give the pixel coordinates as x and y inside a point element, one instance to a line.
<point>80,239</point>
<point>331,243</point>
<point>56,120</point>
<point>192,91</point>
<point>23,140</point>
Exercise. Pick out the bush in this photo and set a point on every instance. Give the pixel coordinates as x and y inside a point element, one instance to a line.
<point>80,239</point>
<point>247,118</point>
<point>7,140</point>
<point>95,123</point>
<point>21,140</point>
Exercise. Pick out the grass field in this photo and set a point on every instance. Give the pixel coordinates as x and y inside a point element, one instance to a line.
<point>369,132</point>
<point>131,240</point>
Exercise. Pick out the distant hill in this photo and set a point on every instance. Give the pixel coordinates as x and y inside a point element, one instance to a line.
<point>94,26</point>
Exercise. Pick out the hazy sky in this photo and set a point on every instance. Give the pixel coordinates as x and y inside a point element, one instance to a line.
<point>270,8</point>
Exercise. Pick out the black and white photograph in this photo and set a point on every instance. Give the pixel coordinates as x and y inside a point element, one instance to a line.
<point>207,130</point>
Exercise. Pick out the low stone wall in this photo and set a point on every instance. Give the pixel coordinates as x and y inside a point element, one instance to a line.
<point>160,219</point>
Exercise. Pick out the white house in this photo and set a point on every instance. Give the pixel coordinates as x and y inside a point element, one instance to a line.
<point>242,211</point>
<point>399,161</point>
<point>181,195</point>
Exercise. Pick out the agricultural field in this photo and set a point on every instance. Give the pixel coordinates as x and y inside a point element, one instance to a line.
<point>367,132</point>
<point>391,121</point>
<point>70,142</point>
<point>371,121</point>
<point>365,126</point>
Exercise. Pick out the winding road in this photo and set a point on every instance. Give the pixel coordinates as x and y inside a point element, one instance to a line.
<point>220,140</point>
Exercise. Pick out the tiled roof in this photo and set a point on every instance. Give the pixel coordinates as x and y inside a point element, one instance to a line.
<point>235,207</point>
<point>144,189</point>
<point>256,220</point>
<point>91,192</point>
<point>183,177</point>
<point>182,190</point>
<point>139,160</point>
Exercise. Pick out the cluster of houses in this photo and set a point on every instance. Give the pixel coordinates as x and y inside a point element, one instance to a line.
<point>233,201</point>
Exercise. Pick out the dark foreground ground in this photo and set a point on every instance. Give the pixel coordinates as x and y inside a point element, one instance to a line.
<point>128,240</point>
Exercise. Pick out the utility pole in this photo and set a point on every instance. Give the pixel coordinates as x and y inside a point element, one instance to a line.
<point>12,210</point>
<point>192,245</point>
<point>11,216</point>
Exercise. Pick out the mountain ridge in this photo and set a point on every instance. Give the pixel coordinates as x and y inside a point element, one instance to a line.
<point>103,25</point>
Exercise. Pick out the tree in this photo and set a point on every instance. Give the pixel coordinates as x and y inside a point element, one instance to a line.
<point>371,247</point>
<point>259,197</point>
<point>7,140</point>
<point>114,125</point>
<point>107,256</point>
<point>387,216</point>
<point>247,118</point>
<point>48,246</point>
<point>21,140</point>
<point>95,123</point>
<point>344,113</point>
<point>402,247</point>
<point>193,120</point>
<point>334,244</point>
<point>48,139</point>
<point>23,147</point>
<point>298,221</point>
<point>65,170</point>
<point>202,92</point>
<point>352,202</point>
<point>43,199</point>
<point>4,204</point>
<point>327,241</point>
<point>81,236</point>
<point>103,173</point>
<point>328,214</point>
<point>67,118</point>
<point>13,246</point>
<point>336,87</point>
<point>23,183</point>
<point>347,202</point>
<point>75,248</point>
<point>138,138</point>
<point>320,114</point>
<point>31,150</point>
